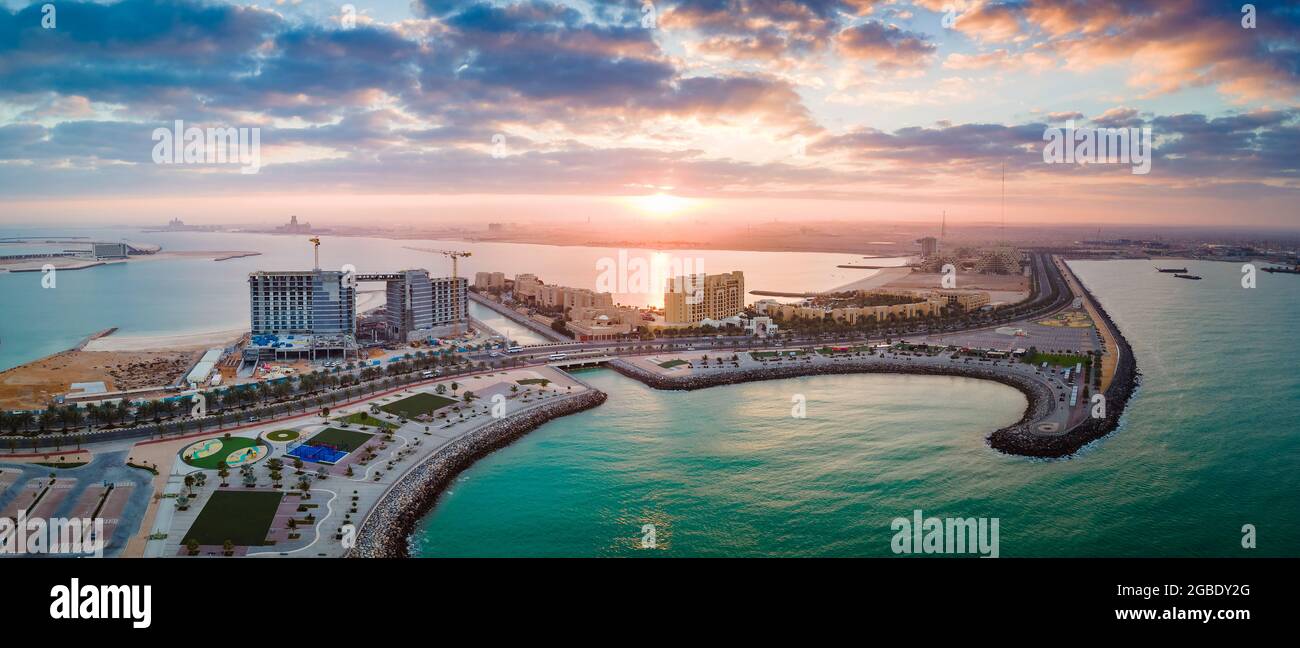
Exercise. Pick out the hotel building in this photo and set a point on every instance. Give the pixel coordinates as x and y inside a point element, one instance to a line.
<point>693,298</point>
<point>315,302</point>
<point>421,306</point>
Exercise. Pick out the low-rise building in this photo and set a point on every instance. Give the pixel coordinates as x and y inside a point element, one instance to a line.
<point>489,280</point>
<point>526,286</point>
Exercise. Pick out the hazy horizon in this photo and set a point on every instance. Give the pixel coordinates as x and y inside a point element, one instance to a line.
<point>436,112</point>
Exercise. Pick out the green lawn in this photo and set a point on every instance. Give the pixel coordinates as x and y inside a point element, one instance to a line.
<point>532,381</point>
<point>1059,359</point>
<point>421,403</point>
<point>347,440</point>
<point>671,363</point>
<point>759,355</point>
<point>242,517</point>
<point>364,418</point>
<point>281,436</point>
<point>228,445</point>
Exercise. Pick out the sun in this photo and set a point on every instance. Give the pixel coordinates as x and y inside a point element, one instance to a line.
<point>661,204</point>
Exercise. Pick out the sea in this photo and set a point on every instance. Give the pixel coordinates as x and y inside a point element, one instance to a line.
<point>1206,454</point>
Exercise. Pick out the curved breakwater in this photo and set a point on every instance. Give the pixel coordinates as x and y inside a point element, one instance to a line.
<point>1016,439</point>
<point>385,530</point>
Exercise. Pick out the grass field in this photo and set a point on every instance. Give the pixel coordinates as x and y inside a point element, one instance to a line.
<point>281,436</point>
<point>532,381</point>
<point>242,517</point>
<point>228,445</point>
<point>421,403</point>
<point>671,363</point>
<point>364,418</point>
<point>1059,359</point>
<point>759,355</point>
<point>347,440</point>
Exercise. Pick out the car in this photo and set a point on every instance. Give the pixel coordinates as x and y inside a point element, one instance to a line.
<point>253,419</point>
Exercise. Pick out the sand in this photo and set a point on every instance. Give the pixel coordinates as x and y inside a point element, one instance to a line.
<point>185,342</point>
<point>35,384</point>
<point>881,278</point>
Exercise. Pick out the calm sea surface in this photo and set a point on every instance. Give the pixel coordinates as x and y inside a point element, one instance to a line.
<point>1210,443</point>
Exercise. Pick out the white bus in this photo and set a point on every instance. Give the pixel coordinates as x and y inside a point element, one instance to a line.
<point>514,349</point>
<point>556,356</point>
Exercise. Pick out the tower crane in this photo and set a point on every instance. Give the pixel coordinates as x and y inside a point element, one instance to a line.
<point>455,256</point>
<point>315,241</point>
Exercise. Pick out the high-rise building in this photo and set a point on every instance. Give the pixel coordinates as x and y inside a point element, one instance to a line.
<point>929,246</point>
<point>693,298</point>
<point>423,306</point>
<point>317,302</point>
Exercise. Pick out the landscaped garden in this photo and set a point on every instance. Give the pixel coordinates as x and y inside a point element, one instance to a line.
<point>672,363</point>
<point>364,418</point>
<point>242,517</point>
<point>417,404</point>
<point>282,436</point>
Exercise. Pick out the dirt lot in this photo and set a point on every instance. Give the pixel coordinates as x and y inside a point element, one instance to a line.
<point>34,384</point>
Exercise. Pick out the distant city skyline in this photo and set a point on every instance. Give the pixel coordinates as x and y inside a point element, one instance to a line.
<point>436,111</point>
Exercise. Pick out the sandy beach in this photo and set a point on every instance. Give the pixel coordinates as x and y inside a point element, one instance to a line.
<point>185,342</point>
<point>879,279</point>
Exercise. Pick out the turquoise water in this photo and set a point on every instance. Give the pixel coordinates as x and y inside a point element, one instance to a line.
<point>1209,444</point>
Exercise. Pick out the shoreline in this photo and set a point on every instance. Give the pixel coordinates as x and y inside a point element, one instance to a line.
<point>386,530</point>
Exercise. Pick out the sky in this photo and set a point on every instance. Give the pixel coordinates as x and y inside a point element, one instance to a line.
<point>437,110</point>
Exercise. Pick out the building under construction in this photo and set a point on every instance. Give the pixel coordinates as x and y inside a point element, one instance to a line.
<point>420,306</point>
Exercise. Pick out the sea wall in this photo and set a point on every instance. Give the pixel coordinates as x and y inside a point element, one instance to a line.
<point>1122,386</point>
<point>385,531</point>
<point>1019,438</point>
<point>1037,394</point>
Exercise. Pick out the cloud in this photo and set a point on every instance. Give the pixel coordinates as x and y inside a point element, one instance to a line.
<point>888,46</point>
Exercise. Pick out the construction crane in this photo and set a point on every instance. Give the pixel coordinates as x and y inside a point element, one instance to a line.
<point>315,242</point>
<point>455,256</point>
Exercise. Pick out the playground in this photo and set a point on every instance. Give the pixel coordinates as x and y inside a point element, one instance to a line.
<point>235,451</point>
<point>422,403</point>
<point>330,446</point>
<point>242,517</point>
